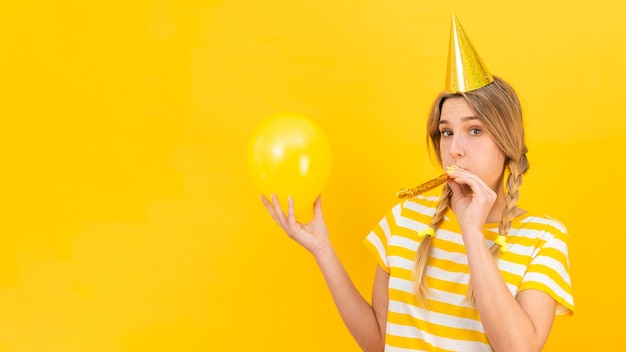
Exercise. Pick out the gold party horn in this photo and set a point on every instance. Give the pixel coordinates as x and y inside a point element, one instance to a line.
<point>426,186</point>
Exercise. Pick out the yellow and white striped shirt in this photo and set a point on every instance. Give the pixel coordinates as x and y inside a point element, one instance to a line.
<point>537,259</point>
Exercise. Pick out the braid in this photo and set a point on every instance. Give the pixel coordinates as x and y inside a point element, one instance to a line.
<point>513,184</point>
<point>425,247</point>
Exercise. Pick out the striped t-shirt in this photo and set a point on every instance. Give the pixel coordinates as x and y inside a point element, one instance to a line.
<point>537,259</point>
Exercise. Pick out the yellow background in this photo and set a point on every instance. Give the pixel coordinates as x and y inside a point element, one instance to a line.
<point>128,218</point>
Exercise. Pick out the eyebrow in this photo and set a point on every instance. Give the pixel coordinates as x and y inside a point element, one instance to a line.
<point>464,119</point>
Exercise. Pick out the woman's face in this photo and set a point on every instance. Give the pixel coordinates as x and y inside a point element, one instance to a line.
<point>466,143</point>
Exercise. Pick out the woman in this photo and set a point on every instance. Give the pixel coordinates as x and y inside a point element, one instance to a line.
<point>466,271</point>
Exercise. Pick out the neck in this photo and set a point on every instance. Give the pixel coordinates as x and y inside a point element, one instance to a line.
<point>495,214</point>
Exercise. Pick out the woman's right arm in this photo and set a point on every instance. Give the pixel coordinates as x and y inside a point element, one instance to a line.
<point>365,322</point>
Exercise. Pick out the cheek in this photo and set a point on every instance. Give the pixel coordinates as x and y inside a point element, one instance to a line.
<point>445,157</point>
<point>491,161</point>
<point>444,150</point>
<point>497,165</point>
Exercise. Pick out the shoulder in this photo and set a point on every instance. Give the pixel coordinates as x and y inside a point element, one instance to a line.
<point>544,222</point>
<point>543,228</point>
<point>409,212</point>
<point>421,204</point>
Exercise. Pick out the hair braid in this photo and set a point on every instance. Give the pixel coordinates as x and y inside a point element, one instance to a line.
<point>513,184</point>
<point>425,247</point>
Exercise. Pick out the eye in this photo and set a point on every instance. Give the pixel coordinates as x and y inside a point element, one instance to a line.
<point>475,131</point>
<point>445,133</point>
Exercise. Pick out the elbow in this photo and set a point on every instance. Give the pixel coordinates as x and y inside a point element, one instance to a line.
<point>378,348</point>
<point>374,346</point>
<point>520,347</point>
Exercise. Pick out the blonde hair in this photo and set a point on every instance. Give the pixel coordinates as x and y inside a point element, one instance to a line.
<point>498,107</point>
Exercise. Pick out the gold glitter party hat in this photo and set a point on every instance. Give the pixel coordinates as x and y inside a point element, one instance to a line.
<point>466,71</point>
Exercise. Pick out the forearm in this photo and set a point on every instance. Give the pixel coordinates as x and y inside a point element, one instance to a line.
<point>357,314</point>
<point>506,324</point>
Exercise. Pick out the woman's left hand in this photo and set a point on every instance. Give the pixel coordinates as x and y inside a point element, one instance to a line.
<point>472,199</point>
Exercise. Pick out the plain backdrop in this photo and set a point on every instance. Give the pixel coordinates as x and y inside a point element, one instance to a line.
<point>129,220</point>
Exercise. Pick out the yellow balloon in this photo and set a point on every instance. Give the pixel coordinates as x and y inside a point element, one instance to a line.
<point>289,154</point>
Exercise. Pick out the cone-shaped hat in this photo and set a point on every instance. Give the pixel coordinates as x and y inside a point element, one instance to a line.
<point>466,71</point>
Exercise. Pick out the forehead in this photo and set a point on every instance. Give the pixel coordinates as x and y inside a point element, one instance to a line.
<point>456,109</point>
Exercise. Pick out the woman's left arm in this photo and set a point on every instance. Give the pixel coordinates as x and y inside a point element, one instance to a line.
<point>511,324</point>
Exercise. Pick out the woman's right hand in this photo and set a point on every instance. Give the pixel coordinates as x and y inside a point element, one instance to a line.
<point>313,235</point>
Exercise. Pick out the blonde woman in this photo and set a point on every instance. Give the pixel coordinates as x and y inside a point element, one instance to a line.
<point>468,270</point>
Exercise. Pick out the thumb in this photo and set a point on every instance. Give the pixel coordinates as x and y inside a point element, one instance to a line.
<point>455,187</point>
<point>317,207</point>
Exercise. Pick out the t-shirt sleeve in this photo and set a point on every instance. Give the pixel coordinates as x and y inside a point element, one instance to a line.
<point>378,239</point>
<point>549,271</point>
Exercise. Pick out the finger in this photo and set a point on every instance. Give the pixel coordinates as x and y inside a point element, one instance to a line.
<point>458,172</point>
<point>267,203</point>
<point>270,206</point>
<point>456,176</point>
<point>317,207</point>
<point>469,185</point>
<point>455,187</point>
<point>291,218</point>
<point>280,215</point>
<point>270,209</point>
<point>474,182</point>
<point>465,177</point>
<point>474,185</point>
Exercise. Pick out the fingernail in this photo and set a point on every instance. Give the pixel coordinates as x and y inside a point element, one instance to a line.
<point>451,168</point>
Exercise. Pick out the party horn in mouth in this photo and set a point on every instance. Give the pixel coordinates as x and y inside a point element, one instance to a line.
<point>426,186</point>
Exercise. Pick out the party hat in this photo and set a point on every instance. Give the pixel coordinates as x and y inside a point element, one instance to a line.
<point>466,71</point>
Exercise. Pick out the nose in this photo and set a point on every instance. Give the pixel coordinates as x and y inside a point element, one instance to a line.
<point>457,147</point>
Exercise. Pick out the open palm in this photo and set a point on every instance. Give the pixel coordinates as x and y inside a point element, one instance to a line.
<point>313,236</point>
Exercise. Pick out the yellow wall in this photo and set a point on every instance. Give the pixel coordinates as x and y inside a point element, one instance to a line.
<point>129,221</point>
